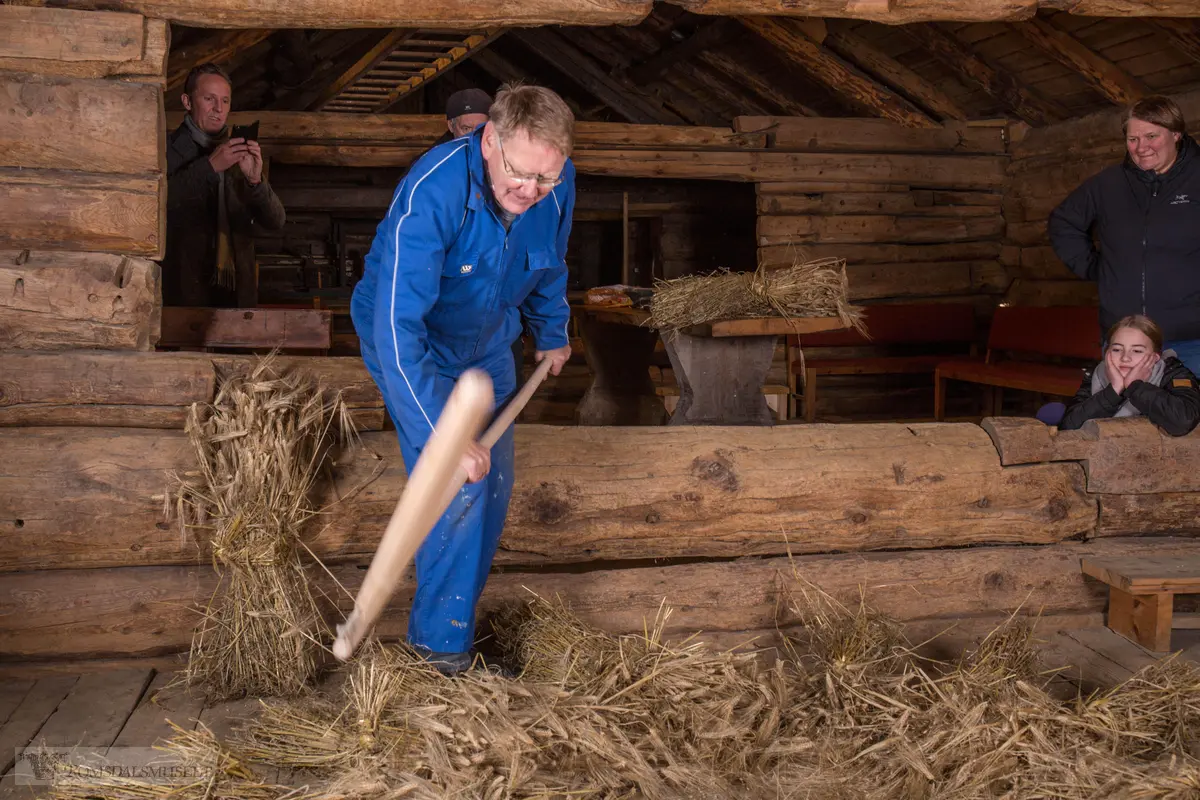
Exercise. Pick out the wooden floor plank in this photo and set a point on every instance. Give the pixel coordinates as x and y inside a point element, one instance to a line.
<point>223,718</point>
<point>1088,669</point>
<point>11,695</point>
<point>29,717</point>
<point>150,721</point>
<point>1114,647</point>
<point>96,709</point>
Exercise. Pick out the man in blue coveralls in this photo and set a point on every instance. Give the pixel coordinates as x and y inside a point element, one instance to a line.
<point>476,236</point>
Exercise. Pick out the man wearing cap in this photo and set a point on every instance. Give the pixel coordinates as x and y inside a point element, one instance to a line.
<point>465,111</point>
<point>474,241</point>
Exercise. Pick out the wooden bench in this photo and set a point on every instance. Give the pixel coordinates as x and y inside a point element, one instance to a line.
<point>925,324</point>
<point>1056,331</point>
<point>1141,594</point>
<point>246,328</point>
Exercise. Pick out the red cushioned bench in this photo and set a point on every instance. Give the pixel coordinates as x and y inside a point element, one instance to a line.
<point>1069,332</point>
<point>944,325</point>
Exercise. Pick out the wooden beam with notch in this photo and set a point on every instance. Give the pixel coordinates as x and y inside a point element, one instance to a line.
<point>892,73</point>
<point>453,57</point>
<point>580,68</point>
<point>840,77</point>
<point>1101,74</point>
<point>382,49</point>
<point>1000,85</point>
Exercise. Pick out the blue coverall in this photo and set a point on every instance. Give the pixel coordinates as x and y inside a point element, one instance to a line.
<point>443,290</point>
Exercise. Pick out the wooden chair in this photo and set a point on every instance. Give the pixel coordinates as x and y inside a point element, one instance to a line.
<point>1141,594</point>
<point>939,325</point>
<point>1070,332</point>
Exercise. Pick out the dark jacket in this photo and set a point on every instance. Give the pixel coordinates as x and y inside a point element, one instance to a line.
<point>1148,226</point>
<point>191,252</point>
<point>1174,406</point>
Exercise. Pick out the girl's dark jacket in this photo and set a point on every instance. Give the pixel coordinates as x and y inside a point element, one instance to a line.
<point>1174,406</point>
<point>1148,228</point>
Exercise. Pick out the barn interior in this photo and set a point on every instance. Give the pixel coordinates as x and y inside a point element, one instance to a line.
<point>925,143</point>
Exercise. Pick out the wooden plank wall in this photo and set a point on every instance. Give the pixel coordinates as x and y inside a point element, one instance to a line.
<point>1047,165</point>
<point>922,224</point>
<point>82,178</point>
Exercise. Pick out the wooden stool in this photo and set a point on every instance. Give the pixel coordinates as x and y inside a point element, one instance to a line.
<point>1141,594</point>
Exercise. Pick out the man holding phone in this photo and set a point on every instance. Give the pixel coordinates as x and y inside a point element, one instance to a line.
<point>215,192</point>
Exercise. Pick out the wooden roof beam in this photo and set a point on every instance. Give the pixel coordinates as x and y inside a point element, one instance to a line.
<point>999,84</point>
<point>1182,34</point>
<point>843,79</point>
<point>709,34</point>
<point>759,83</point>
<point>892,73</point>
<point>1101,74</point>
<point>218,47</point>
<point>382,49</point>
<point>620,96</point>
<point>329,14</point>
<point>454,56</point>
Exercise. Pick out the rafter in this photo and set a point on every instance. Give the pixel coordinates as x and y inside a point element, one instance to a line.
<point>892,73</point>
<point>841,77</point>
<point>504,71</point>
<point>730,93</point>
<point>760,83</point>
<point>450,58</point>
<point>1101,74</point>
<point>1182,34</point>
<point>1000,85</point>
<point>580,68</point>
<point>218,47</point>
<point>708,35</point>
<point>382,49</point>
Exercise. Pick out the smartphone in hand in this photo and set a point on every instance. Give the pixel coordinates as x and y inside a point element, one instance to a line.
<point>247,132</point>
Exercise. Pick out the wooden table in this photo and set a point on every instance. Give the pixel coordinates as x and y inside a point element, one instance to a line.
<point>720,367</point>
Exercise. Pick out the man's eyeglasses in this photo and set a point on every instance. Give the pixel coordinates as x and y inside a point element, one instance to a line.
<point>522,180</point>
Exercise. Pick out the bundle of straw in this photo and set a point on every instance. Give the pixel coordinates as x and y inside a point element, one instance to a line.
<point>260,445</point>
<point>805,289</point>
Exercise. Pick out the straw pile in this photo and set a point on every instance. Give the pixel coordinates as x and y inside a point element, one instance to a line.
<point>260,446</point>
<point>805,289</point>
<point>851,712</point>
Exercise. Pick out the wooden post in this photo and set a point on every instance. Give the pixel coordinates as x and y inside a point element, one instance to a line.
<point>1142,618</point>
<point>625,276</point>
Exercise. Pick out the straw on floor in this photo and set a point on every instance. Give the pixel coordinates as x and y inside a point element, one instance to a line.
<point>816,288</point>
<point>260,446</point>
<point>851,711</point>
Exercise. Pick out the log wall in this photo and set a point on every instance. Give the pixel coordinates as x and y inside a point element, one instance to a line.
<point>934,523</point>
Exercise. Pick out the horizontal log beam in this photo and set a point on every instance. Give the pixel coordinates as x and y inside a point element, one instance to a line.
<point>422,130</point>
<point>63,210</point>
<point>259,328</point>
<point>878,253</point>
<point>775,230</point>
<point>909,11</point>
<point>872,135</point>
<point>728,492</point>
<point>925,279</point>
<point>1109,449</point>
<point>58,301</point>
<point>917,203</point>
<point>68,123</point>
<point>152,610</point>
<point>54,41</point>
<point>454,14</point>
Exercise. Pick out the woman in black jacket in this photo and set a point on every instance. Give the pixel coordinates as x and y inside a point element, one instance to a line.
<point>1137,378</point>
<point>1145,214</point>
